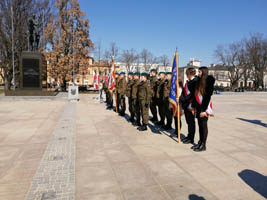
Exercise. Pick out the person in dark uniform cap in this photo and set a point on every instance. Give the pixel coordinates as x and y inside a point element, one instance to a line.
<point>159,98</point>
<point>143,94</point>
<point>122,88</point>
<point>153,88</point>
<point>129,95</point>
<point>135,103</point>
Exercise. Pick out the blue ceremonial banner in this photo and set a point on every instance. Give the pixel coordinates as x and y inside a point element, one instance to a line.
<point>173,92</point>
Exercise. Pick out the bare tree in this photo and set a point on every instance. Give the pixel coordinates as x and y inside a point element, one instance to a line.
<point>129,57</point>
<point>164,61</point>
<point>22,11</point>
<point>112,52</point>
<point>147,59</point>
<point>228,56</point>
<point>257,53</point>
<point>98,50</point>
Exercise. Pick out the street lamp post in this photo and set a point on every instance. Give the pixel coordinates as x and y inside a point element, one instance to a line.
<point>73,68</point>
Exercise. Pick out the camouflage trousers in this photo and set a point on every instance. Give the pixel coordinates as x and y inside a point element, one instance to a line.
<point>136,109</point>
<point>144,108</point>
<point>131,109</point>
<point>153,108</point>
<point>122,104</point>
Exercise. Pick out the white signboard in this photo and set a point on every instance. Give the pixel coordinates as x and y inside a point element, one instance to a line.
<point>73,92</point>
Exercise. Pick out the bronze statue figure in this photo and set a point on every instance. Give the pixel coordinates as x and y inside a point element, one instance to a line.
<point>34,35</point>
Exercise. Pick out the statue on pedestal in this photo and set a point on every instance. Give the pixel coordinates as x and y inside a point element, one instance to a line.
<point>34,33</point>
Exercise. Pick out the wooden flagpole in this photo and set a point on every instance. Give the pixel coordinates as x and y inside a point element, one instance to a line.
<point>177,96</point>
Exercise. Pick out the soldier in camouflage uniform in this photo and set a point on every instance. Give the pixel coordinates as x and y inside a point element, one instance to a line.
<point>122,88</point>
<point>129,95</point>
<point>167,109</point>
<point>135,103</point>
<point>153,103</point>
<point>159,98</point>
<point>144,97</point>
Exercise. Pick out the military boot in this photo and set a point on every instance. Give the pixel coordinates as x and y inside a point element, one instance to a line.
<point>142,128</point>
<point>136,123</point>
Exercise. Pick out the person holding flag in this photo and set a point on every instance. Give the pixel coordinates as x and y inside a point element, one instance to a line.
<point>111,85</point>
<point>202,105</point>
<point>175,93</point>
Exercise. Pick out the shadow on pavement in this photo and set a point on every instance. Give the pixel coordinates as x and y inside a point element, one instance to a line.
<point>255,180</point>
<point>258,122</point>
<point>155,129</point>
<point>195,197</point>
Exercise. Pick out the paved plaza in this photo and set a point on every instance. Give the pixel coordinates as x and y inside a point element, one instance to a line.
<point>51,148</point>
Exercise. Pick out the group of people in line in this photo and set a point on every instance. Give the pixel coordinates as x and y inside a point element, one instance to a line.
<point>151,91</point>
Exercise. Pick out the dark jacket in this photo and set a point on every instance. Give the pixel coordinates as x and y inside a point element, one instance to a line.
<point>186,100</point>
<point>206,97</point>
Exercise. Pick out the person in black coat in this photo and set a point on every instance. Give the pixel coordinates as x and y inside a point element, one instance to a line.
<point>186,100</point>
<point>202,105</point>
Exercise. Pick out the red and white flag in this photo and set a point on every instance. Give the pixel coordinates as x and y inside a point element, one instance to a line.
<point>97,80</point>
<point>209,110</point>
<point>111,80</point>
<point>94,79</point>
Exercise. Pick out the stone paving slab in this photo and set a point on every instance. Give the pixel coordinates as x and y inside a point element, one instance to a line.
<point>93,153</point>
<point>55,177</point>
<point>151,165</point>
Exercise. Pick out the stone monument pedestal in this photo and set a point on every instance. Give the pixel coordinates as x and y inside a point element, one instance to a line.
<point>31,75</point>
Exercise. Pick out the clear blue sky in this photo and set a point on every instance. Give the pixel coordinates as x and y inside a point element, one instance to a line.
<point>196,27</point>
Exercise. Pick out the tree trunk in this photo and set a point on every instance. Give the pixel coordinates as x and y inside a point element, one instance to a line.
<point>7,83</point>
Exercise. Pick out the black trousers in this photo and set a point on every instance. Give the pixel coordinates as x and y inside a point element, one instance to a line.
<point>191,125</point>
<point>203,129</point>
<point>161,110</point>
<point>168,113</point>
<point>153,108</point>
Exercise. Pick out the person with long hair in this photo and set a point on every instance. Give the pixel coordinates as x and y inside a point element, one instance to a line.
<point>202,105</point>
